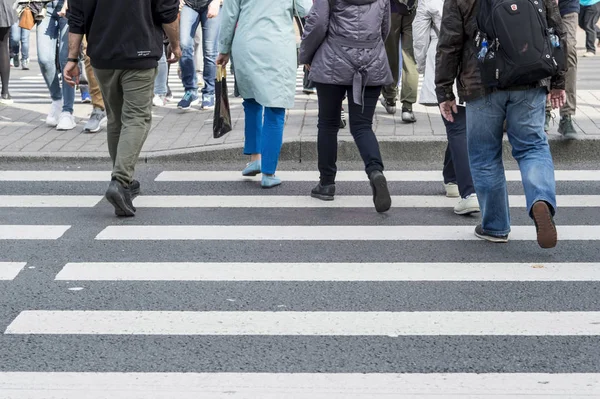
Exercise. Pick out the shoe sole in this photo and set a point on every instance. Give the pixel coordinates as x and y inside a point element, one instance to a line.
<point>267,187</point>
<point>381,194</point>
<point>193,103</point>
<point>251,174</point>
<point>62,129</point>
<point>496,240</point>
<point>100,126</point>
<point>468,211</point>
<point>322,197</point>
<point>121,209</point>
<point>547,236</point>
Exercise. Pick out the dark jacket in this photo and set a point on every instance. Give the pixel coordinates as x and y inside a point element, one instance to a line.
<point>568,7</point>
<point>345,45</point>
<point>456,58</point>
<point>122,34</point>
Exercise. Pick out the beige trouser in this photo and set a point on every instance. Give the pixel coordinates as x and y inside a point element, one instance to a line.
<point>95,91</point>
<point>570,24</point>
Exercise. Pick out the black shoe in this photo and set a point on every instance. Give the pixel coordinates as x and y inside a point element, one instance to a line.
<point>544,225</point>
<point>120,198</point>
<point>381,194</point>
<point>134,189</point>
<point>323,192</point>
<point>479,233</point>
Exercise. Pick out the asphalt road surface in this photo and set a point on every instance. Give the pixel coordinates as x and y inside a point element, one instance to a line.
<point>219,289</point>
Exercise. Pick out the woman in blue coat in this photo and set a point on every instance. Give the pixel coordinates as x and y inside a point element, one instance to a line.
<point>260,36</point>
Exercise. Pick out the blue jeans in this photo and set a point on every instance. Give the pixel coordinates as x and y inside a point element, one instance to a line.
<point>160,83</point>
<point>456,161</point>
<point>190,19</point>
<point>264,136</point>
<point>19,39</point>
<point>50,30</point>
<point>524,112</point>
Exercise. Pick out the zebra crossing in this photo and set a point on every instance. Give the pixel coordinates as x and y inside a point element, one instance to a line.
<point>219,289</point>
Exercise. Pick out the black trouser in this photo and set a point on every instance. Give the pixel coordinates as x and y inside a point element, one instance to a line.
<point>361,127</point>
<point>456,162</point>
<point>588,18</point>
<point>5,59</point>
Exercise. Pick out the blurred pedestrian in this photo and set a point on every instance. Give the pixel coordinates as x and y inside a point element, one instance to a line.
<point>19,45</point>
<point>127,81</point>
<point>264,48</point>
<point>7,19</point>
<point>344,45</point>
<point>588,20</point>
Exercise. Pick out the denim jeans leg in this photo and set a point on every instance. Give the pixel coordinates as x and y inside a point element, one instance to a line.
<point>253,127</point>
<point>525,118</point>
<point>457,142</point>
<point>160,84</point>
<point>273,139</point>
<point>47,35</point>
<point>448,171</point>
<point>25,43</point>
<point>68,92</point>
<point>485,120</point>
<point>189,21</point>
<point>15,39</point>
<point>210,39</point>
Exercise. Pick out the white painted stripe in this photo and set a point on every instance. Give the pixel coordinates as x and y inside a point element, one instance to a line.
<point>27,385</point>
<point>53,175</point>
<point>10,270</point>
<point>32,232</point>
<point>48,201</point>
<point>304,201</point>
<point>329,233</point>
<point>152,271</point>
<point>511,175</point>
<point>305,323</point>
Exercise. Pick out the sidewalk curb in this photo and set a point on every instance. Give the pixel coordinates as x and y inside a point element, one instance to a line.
<point>408,149</point>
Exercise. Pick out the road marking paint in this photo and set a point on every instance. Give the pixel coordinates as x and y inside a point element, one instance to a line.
<point>54,175</point>
<point>32,232</point>
<point>49,201</point>
<point>330,233</point>
<point>171,271</point>
<point>40,385</point>
<point>10,270</point>
<point>305,323</point>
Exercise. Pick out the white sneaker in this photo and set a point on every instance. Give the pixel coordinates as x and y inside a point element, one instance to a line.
<point>66,121</point>
<point>54,114</point>
<point>452,190</point>
<point>159,101</point>
<point>467,206</point>
<point>588,54</point>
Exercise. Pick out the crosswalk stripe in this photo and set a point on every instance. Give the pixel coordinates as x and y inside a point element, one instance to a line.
<point>330,233</point>
<point>54,175</point>
<point>32,232</point>
<point>305,323</point>
<point>293,201</point>
<point>511,175</point>
<point>49,201</point>
<point>10,270</point>
<point>184,271</point>
<point>69,385</point>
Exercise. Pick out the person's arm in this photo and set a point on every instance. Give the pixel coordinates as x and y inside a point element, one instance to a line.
<point>303,7</point>
<point>386,25</point>
<point>213,8</point>
<point>76,31</point>
<point>166,13</point>
<point>229,19</point>
<point>315,31</point>
<point>555,21</point>
<point>421,35</point>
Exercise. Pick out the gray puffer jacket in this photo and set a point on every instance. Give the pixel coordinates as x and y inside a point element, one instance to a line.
<point>345,45</point>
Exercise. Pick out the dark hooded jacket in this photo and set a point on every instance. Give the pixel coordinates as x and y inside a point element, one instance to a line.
<point>344,45</point>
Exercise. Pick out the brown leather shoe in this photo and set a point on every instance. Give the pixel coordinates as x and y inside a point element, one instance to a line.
<point>544,224</point>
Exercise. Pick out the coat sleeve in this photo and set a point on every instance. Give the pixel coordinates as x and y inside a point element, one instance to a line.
<point>76,18</point>
<point>165,11</point>
<point>315,31</point>
<point>421,35</point>
<point>229,18</point>
<point>449,51</point>
<point>555,21</point>
<point>303,7</point>
<point>386,23</point>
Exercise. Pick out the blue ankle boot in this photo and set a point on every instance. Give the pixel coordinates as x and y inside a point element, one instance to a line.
<point>270,181</point>
<point>252,169</point>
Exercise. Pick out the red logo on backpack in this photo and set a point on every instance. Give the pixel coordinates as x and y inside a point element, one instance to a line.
<point>513,7</point>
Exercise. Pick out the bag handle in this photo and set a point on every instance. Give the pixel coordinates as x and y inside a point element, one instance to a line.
<point>221,73</point>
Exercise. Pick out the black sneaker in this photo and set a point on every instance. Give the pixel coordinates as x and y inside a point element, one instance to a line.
<point>323,192</point>
<point>120,198</point>
<point>544,225</point>
<point>134,189</point>
<point>479,233</point>
<point>381,194</point>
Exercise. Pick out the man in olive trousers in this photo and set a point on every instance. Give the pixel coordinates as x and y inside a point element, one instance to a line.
<point>125,62</point>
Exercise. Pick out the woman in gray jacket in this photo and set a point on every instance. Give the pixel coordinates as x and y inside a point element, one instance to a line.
<point>7,19</point>
<point>343,45</point>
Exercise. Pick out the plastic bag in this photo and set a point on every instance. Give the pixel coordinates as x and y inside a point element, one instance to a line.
<point>222,119</point>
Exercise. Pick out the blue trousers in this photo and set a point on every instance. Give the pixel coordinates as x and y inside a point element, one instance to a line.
<point>264,133</point>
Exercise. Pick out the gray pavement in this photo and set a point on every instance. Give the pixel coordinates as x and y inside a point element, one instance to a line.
<point>36,287</point>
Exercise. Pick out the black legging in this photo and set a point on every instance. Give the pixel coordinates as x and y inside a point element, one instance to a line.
<point>4,58</point>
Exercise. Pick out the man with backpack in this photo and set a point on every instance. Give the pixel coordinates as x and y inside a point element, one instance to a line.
<point>402,17</point>
<point>511,55</point>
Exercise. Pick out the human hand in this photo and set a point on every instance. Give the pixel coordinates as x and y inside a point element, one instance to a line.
<point>213,9</point>
<point>71,73</point>
<point>222,59</point>
<point>448,108</point>
<point>174,53</point>
<point>307,67</point>
<point>557,98</point>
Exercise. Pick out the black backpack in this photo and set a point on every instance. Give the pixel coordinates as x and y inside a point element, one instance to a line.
<point>520,49</point>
